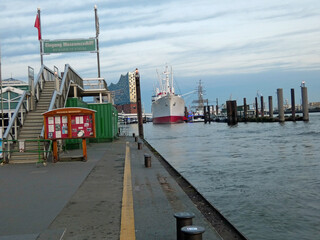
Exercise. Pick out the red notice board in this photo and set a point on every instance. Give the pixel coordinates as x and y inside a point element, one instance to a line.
<point>69,123</point>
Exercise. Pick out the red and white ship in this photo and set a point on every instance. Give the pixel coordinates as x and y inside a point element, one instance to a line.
<point>167,107</point>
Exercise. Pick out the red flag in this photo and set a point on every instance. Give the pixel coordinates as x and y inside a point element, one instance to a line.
<point>37,25</point>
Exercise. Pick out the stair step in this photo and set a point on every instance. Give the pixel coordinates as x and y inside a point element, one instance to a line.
<point>12,161</point>
<point>31,130</point>
<point>25,154</point>
<point>29,136</point>
<point>32,124</point>
<point>46,103</point>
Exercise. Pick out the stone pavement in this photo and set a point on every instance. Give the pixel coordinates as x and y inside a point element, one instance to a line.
<point>83,200</point>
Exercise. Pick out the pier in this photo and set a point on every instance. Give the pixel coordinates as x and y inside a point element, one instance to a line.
<point>233,113</point>
<point>95,199</point>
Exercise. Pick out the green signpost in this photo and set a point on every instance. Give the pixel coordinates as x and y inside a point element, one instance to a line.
<point>60,46</point>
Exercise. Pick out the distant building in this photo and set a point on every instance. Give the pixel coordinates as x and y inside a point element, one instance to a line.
<point>11,82</point>
<point>12,89</point>
<point>125,93</point>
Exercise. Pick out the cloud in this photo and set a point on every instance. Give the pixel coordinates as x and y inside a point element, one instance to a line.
<point>199,38</point>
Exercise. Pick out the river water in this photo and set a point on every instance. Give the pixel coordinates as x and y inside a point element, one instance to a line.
<point>263,177</point>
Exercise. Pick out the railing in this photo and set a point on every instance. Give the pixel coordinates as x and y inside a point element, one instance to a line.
<point>43,147</point>
<point>25,104</point>
<point>95,83</point>
<point>45,74</point>
<point>17,120</point>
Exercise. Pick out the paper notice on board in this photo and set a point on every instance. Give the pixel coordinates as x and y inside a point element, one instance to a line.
<point>64,119</point>
<point>81,120</point>
<point>77,120</point>
<point>50,128</point>
<point>57,120</point>
<point>50,120</point>
<point>58,134</point>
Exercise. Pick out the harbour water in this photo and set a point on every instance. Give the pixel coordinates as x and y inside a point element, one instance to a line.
<point>264,177</point>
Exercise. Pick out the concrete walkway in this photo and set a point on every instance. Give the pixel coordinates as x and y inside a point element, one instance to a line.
<point>83,200</point>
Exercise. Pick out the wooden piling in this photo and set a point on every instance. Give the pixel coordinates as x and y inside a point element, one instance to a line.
<point>209,117</point>
<point>245,109</point>
<point>217,107</point>
<point>232,112</point>
<point>205,114</point>
<point>293,105</point>
<point>262,106</point>
<point>304,95</point>
<point>257,109</point>
<point>270,107</point>
<point>280,104</point>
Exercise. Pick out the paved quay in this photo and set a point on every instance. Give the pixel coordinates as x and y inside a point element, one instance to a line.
<point>85,200</point>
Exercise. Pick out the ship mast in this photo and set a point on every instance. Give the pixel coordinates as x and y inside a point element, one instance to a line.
<point>200,101</point>
<point>167,82</point>
<point>172,89</point>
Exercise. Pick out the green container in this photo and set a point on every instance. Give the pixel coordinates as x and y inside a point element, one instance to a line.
<point>75,102</point>
<point>106,118</point>
<point>106,122</point>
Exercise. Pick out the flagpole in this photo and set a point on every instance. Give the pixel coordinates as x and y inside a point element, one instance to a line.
<point>97,37</point>
<point>40,40</point>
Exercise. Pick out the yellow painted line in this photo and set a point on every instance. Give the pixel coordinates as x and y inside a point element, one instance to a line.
<point>127,215</point>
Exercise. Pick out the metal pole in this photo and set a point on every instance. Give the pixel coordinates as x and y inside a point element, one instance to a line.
<point>97,37</point>
<point>139,109</point>
<point>2,118</point>
<point>41,55</point>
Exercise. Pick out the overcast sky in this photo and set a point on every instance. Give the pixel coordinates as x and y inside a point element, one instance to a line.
<point>235,47</point>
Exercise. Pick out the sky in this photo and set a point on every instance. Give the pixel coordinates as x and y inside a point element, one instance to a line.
<point>237,48</point>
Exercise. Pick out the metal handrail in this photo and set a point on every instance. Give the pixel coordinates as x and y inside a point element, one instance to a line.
<point>14,116</point>
<point>46,152</point>
<point>38,84</point>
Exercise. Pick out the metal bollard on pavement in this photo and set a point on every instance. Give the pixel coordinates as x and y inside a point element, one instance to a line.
<point>192,232</point>
<point>136,139</point>
<point>133,134</point>
<point>147,160</point>
<point>139,145</point>
<point>183,219</point>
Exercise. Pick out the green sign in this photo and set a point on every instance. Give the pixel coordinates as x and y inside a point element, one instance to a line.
<point>60,46</point>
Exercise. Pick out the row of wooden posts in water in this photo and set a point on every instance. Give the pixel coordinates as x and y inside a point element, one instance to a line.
<point>233,117</point>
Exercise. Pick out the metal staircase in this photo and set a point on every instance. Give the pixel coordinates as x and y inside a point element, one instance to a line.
<point>23,137</point>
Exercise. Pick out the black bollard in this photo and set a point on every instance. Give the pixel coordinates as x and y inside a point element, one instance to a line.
<point>183,219</point>
<point>133,135</point>
<point>139,145</point>
<point>192,232</point>
<point>136,139</point>
<point>147,161</point>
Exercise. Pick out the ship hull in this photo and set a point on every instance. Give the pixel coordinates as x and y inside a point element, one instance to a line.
<point>168,109</point>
